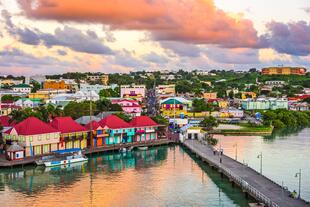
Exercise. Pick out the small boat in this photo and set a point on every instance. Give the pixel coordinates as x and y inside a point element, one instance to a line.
<point>130,148</point>
<point>123,149</point>
<point>64,157</point>
<point>142,148</point>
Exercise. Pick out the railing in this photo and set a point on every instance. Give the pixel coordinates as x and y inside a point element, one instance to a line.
<point>243,184</point>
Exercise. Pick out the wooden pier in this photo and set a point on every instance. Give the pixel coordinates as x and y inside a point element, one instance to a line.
<point>252,183</point>
<point>4,163</point>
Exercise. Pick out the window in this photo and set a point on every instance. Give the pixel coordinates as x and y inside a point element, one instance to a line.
<point>47,136</point>
<point>39,137</point>
<point>30,139</point>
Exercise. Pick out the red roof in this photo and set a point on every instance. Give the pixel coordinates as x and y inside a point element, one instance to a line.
<point>32,126</point>
<point>66,125</point>
<point>141,121</point>
<point>5,121</point>
<point>95,125</point>
<point>114,122</point>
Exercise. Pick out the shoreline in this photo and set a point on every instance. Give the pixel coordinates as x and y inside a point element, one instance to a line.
<point>4,163</point>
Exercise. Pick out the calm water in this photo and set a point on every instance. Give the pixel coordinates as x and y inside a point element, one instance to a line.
<point>163,176</point>
<point>284,154</point>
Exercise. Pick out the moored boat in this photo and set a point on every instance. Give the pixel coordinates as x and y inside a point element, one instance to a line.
<point>142,148</point>
<point>64,157</point>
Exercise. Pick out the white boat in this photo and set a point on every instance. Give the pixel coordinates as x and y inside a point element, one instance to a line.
<point>123,149</point>
<point>64,157</point>
<point>142,148</point>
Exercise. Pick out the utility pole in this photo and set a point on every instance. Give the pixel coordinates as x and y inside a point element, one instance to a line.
<point>90,121</point>
<point>236,151</point>
<point>261,162</point>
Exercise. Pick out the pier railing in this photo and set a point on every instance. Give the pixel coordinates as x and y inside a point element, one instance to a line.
<point>239,181</point>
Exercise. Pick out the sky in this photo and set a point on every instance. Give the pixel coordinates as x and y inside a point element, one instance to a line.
<point>111,36</point>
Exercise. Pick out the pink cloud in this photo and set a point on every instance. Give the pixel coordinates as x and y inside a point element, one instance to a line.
<point>191,21</point>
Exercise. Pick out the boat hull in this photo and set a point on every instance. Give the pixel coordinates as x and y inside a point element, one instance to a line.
<point>64,162</point>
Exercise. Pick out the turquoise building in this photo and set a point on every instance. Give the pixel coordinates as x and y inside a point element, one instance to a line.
<point>265,104</point>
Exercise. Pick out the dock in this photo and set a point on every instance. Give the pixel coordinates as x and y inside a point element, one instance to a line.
<point>4,163</point>
<point>250,181</point>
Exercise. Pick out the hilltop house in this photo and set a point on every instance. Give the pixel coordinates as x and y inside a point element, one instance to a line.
<point>28,103</point>
<point>174,106</point>
<point>72,134</point>
<point>265,104</point>
<point>131,107</point>
<point>34,135</point>
<point>22,88</point>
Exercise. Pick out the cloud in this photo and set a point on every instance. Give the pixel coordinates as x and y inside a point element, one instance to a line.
<point>307,10</point>
<point>191,21</point>
<point>233,56</point>
<point>125,58</point>
<point>17,58</point>
<point>155,58</point>
<point>181,49</point>
<point>62,52</point>
<point>292,38</point>
<point>75,39</point>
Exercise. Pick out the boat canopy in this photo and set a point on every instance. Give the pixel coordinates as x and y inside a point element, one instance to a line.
<point>65,151</point>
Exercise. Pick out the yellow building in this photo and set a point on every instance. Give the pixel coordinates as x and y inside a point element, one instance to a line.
<point>245,95</point>
<point>105,79</point>
<point>223,104</point>
<point>210,95</point>
<point>40,95</point>
<point>56,85</point>
<point>284,71</point>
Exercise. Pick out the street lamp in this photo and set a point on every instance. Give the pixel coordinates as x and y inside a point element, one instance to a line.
<point>236,151</point>
<point>299,181</point>
<point>261,162</point>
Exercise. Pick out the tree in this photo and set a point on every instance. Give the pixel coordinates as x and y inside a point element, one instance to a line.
<point>9,98</point>
<point>209,122</point>
<point>123,116</point>
<point>36,86</point>
<point>160,120</point>
<point>200,105</point>
<point>76,110</point>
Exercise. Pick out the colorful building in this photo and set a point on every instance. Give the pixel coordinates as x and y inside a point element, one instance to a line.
<point>56,85</point>
<point>73,135</point>
<point>131,107</point>
<point>210,95</point>
<point>28,102</point>
<point>146,128</point>
<point>34,135</point>
<point>44,95</point>
<point>99,134</point>
<point>175,106</point>
<point>245,95</point>
<point>120,131</point>
<point>22,88</point>
<point>265,104</point>
<point>284,71</point>
<point>164,91</point>
<point>133,91</point>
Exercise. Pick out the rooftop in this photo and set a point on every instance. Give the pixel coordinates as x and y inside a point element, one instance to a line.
<point>67,125</point>
<point>114,122</point>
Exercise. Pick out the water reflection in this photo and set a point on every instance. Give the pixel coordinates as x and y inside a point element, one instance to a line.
<point>161,176</point>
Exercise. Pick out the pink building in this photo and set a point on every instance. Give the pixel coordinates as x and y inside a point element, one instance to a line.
<point>146,128</point>
<point>136,92</point>
<point>129,106</point>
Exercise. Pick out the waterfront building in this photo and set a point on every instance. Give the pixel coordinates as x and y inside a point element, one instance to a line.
<point>133,91</point>
<point>73,135</point>
<point>228,113</point>
<point>210,95</point>
<point>15,152</point>
<point>28,102</point>
<point>175,106</point>
<point>119,130</point>
<point>298,106</point>
<point>22,88</point>
<point>194,132</point>
<point>131,107</point>
<point>146,128</point>
<point>265,104</point>
<point>99,134</point>
<point>284,71</point>
<point>34,135</point>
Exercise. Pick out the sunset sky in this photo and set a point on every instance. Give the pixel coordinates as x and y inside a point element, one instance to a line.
<point>57,36</point>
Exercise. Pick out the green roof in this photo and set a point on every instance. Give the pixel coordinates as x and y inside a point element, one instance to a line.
<point>22,86</point>
<point>172,101</point>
